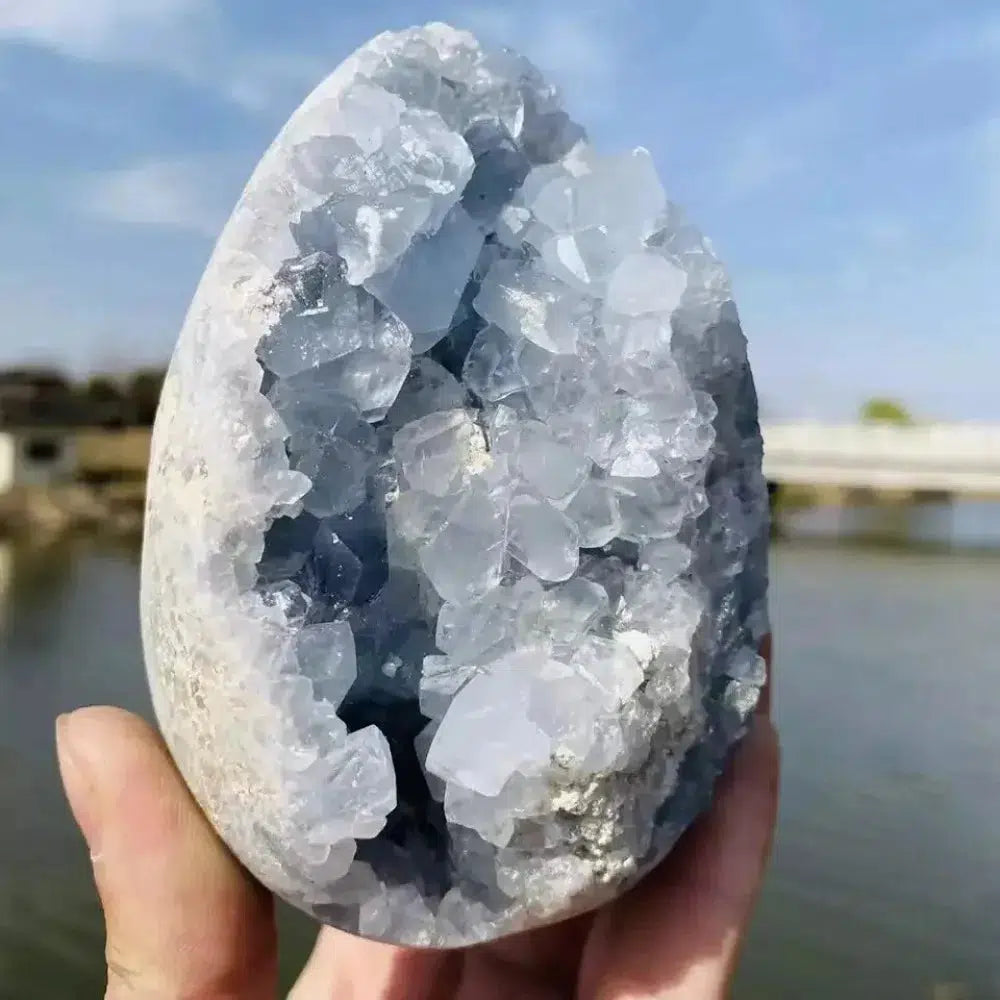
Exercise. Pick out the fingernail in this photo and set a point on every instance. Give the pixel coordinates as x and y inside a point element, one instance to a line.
<point>81,791</point>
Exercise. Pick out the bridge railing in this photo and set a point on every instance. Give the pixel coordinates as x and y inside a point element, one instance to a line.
<point>947,445</point>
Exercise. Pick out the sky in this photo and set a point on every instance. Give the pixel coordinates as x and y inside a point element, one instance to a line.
<point>843,156</point>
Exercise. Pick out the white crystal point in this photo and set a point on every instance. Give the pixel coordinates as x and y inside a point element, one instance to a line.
<point>554,469</point>
<point>464,560</point>
<point>486,736</point>
<point>646,283</point>
<point>455,567</point>
<point>595,512</point>
<point>491,367</point>
<point>437,453</point>
<point>326,655</point>
<point>524,302</point>
<point>424,286</point>
<point>543,539</point>
<point>383,198</point>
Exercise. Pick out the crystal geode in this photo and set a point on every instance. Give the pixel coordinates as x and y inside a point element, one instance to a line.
<point>455,568</point>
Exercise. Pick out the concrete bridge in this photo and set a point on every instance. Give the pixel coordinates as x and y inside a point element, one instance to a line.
<point>935,459</point>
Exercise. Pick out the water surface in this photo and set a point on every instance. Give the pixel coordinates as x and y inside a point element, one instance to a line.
<point>886,880</point>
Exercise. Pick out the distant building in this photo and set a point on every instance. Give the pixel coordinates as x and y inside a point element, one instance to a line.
<point>39,397</point>
<point>36,457</point>
<point>39,415</point>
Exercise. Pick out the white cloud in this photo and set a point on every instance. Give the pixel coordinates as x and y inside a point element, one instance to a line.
<point>269,81</point>
<point>579,46</point>
<point>960,41</point>
<point>886,233</point>
<point>779,142</point>
<point>96,28</point>
<point>576,48</point>
<point>192,195</point>
<point>186,38</point>
<point>790,27</point>
<point>758,160</point>
<point>811,128</point>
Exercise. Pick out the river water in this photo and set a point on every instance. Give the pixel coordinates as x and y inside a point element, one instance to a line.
<point>886,876</point>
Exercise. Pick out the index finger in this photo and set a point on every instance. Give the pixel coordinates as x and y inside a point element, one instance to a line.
<point>183,918</point>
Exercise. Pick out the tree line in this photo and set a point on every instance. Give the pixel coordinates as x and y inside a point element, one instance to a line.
<point>129,400</point>
<point>43,395</point>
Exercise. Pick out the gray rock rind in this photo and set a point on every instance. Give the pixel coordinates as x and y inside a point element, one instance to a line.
<point>456,555</point>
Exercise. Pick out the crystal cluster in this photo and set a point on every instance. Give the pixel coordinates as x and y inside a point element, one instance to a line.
<point>455,571</point>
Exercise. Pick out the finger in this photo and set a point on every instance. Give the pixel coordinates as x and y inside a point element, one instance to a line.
<point>677,935</point>
<point>344,966</point>
<point>183,918</point>
<point>548,955</point>
<point>524,965</point>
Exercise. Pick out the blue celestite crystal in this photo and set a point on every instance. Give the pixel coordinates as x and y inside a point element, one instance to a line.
<point>455,571</point>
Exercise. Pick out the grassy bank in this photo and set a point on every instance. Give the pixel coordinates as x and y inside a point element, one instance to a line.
<point>113,456</point>
<point>108,492</point>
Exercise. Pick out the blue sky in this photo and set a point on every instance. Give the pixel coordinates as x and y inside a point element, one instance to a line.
<point>844,156</point>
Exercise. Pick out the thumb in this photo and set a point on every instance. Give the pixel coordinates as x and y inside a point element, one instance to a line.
<point>183,918</point>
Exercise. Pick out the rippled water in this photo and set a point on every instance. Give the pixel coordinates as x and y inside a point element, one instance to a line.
<point>886,881</point>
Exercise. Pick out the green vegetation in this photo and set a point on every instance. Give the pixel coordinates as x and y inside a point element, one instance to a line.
<point>143,393</point>
<point>109,401</point>
<point>882,410</point>
<point>124,401</point>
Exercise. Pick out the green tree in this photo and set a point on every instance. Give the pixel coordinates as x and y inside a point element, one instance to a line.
<point>144,394</point>
<point>102,389</point>
<point>102,401</point>
<point>881,410</point>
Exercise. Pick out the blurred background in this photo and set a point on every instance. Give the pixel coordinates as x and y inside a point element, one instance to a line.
<point>845,158</point>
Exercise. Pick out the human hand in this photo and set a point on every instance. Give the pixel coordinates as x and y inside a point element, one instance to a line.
<point>186,922</point>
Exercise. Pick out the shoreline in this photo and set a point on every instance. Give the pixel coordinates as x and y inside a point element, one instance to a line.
<point>113,508</point>
<point>103,490</point>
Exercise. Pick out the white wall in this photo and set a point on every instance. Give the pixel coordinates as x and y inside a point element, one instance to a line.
<point>18,467</point>
<point>8,461</point>
<point>954,458</point>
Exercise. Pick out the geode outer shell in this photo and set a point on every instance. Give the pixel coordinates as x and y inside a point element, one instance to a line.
<point>455,565</point>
